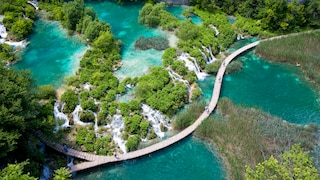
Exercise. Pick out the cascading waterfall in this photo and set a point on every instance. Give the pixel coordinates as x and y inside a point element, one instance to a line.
<point>46,172</point>
<point>192,66</point>
<point>215,29</point>
<point>156,119</point>
<point>76,116</point>
<point>3,31</point>
<point>176,77</point>
<point>58,114</point>
<point>116,126</point>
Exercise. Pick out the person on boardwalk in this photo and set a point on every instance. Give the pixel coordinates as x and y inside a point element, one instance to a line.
<point>115,155</point>
<point>207,109</point>
<point>65,148</point>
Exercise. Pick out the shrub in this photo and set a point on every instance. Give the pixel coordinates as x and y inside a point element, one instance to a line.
<point>87,116</point>
<point>71,100</point>
<point>89,105</point>
<point>46,92</point>
<point>132,143</point>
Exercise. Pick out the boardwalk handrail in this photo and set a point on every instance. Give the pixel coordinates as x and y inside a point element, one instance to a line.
<point>96,160</point>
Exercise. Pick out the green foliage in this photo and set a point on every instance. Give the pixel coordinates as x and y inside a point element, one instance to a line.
<point>62,174</point>
<point>168,56</point>
<point>196,93</point>
<point>157,91</point>
<point>21,28</point>
<point>268,15</point>
<point>15,171</point>
<point>188,31</point>
<point>89,105</point>
<point>6,53</point>
<point>73,11</point>
<point>46,92</point>
<point>94,28</point>
<point>132,123</point>
<point>144,127</point>
<point>132,143</point>
<point>189,115</point>
<point>156,15</point>
<point>87,116</point>
<point>71,100</point>
<point>293,164</point>
<point>17,106</point>
<point>213,67</point>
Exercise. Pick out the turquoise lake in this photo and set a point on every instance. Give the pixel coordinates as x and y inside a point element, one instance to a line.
<point>278,89</point>
<point>51,54</point>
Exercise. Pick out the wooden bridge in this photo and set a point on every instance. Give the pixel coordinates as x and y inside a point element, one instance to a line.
<point>96,160</point>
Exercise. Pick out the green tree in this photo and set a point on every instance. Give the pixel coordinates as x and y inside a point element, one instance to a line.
<point>293,164</point>
<point>17,106</point>
<point>62,174</point>
<point>21,28</point>
<point>73,12</point>
<point>15,171</point>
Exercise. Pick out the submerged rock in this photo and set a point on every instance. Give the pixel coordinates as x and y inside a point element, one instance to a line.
<point>157,43</point>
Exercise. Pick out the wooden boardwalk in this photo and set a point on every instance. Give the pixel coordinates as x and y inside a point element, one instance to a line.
<point>96,160</point>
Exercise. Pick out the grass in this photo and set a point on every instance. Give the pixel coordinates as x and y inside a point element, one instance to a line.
<point>189,115</point>
<point>303,49</point>
<point>247,136</point>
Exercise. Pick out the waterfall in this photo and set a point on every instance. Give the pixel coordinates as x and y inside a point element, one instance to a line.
<point>204,56</point>
<point>87,86</point>
<point>176,77</point>
<point>117,124</point>
<point>192,66</point>
<point>96,128</point>
<point>46,172</point>
<point>214,28</point>
<point>156,119</point>
<point>58,114</point>
<point>3,31</point>
<point>76,116</point>
<point>212,56</point>
<point>240,36</point>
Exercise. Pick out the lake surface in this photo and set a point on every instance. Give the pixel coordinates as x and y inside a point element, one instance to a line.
<point>51,54</point>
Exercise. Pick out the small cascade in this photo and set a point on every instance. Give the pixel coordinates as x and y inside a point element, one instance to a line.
<point>46,172</point>
<point>76,116</point>
<point>210,59</point>
<point>95,122</point>
<point>3,31</point>
<point>156,119</point>
<point>87,86</point>
<point>176,77</point>
<point>117,124</point>
<point>196,65</point>
<point>70,164</point>
<point>192,66</point>
<point>240,36</point>
<point>214,28</point>
<point>213,58</point>
<point>58,114</point>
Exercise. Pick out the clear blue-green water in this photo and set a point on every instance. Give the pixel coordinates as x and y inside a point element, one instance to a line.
<point>188,159</point>
<point>125,26</point>
<point>51,54</point>
<point>178,10</point>
<point>277,89</point>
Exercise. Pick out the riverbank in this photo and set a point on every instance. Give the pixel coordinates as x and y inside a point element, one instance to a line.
<point>247,136</point>
<point>301,50</point>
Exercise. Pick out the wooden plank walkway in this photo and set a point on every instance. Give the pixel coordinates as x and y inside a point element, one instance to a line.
<point>96,160</point>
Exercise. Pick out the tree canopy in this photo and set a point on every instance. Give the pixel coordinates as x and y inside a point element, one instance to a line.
<point>293,164</point>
